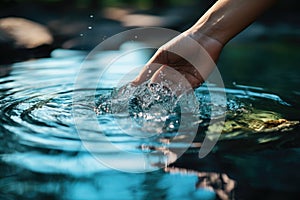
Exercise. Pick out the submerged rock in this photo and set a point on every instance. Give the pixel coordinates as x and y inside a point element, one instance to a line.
<point>21,39</point>
<point>258,121</point>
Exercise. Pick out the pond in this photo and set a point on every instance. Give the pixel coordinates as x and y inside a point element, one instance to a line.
<point>46,155</point>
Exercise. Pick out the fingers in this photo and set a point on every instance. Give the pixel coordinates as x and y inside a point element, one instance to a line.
<point>146,73</point>
<point>157,60</point>
<point>171,79</point>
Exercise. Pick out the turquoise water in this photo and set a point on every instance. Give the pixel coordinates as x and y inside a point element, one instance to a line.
<point>45,156</point>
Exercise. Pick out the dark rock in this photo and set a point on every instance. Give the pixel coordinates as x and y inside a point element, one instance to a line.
<point>21,39</point>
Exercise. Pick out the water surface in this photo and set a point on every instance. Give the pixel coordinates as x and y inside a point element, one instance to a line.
<point>43,156</point>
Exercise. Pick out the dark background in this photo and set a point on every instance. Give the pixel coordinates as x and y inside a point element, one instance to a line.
<point>68,19</point>
<point>268,48</point>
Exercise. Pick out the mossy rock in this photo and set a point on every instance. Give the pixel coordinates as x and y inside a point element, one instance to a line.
<point>258,121</point>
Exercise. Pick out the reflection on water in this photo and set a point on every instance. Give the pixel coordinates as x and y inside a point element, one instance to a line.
<point>209,183</point>
<point>43,156</point>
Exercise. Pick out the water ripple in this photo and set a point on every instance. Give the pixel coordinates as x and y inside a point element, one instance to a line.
<point>37,113</point>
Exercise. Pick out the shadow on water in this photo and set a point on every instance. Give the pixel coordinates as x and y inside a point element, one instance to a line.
<point>43,156</point>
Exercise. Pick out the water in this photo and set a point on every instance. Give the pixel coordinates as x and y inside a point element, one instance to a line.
<point>45,156</point>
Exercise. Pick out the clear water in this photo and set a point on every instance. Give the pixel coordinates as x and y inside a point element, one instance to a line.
<point>43,155</point>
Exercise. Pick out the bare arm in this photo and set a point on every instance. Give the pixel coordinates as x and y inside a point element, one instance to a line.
<point>224,20</point>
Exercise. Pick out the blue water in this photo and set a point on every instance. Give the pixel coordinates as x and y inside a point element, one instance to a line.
<point>45,156</point>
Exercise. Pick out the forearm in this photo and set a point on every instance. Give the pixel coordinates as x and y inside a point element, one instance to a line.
<point>226,18</point>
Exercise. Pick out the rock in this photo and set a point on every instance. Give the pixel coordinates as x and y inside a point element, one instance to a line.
<point>21,39</point>
<point>25,33</point>
<point>258,121</point>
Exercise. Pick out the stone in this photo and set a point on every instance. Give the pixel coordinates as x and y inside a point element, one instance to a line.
<point>22,39</point>
<point>25,33</point>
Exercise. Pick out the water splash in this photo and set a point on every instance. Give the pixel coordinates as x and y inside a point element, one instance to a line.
<point>149,105</point>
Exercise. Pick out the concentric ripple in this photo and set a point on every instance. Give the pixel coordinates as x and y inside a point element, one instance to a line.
<point>38,130</point>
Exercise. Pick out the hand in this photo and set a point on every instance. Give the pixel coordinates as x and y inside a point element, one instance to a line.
<point>167,65</point>
<point>224,20</point>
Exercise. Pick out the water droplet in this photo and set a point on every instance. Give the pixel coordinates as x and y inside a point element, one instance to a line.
<point>135,36</point>
<point>91,16</point>
<point>81,34</point>
<point>140,114</point>
<point>90,27</point>
<point>171,126</point>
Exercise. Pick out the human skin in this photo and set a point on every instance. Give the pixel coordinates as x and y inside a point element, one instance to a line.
<point>224,20</point>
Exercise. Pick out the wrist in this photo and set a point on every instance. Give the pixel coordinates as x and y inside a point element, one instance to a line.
<point>212,45</point>
<point>203,36</point>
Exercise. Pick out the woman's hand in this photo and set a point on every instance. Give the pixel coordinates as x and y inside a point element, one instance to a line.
<point>224,20</point>
<point>171,61</point>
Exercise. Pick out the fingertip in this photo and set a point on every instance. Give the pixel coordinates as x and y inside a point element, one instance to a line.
<point>136,82</point>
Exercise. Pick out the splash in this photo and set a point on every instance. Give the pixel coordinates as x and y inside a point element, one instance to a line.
<point>152,107</point>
